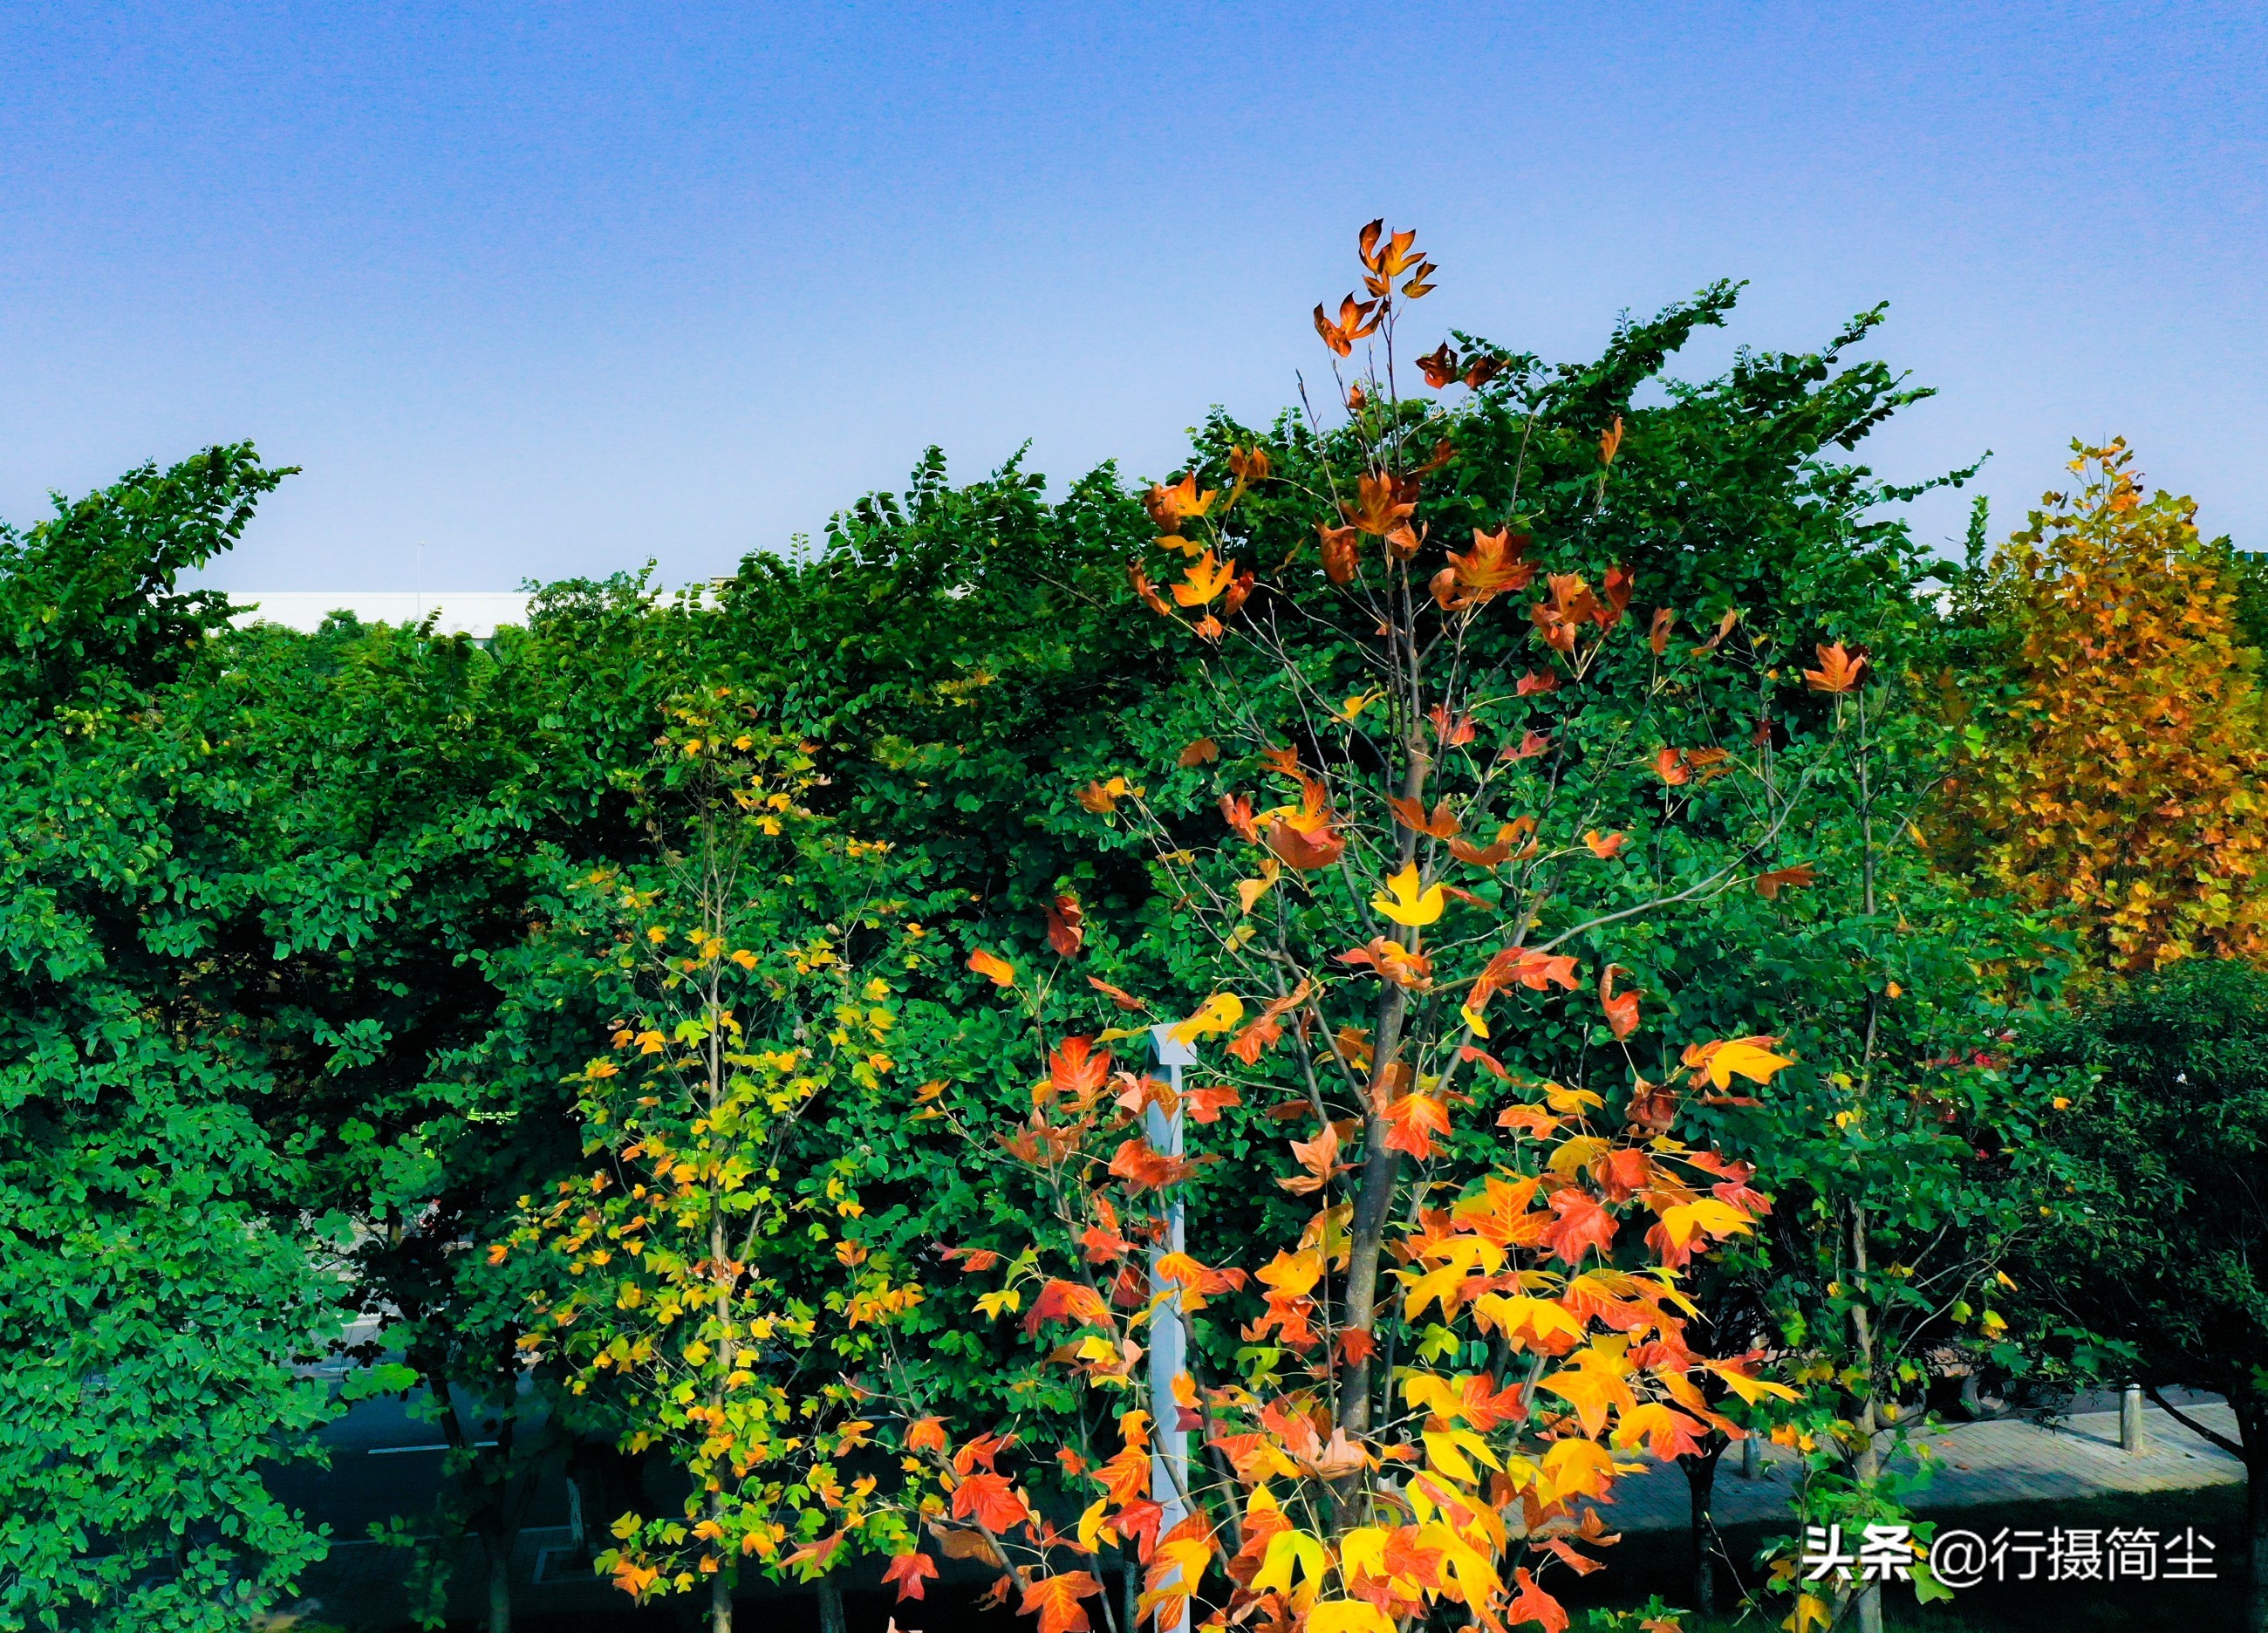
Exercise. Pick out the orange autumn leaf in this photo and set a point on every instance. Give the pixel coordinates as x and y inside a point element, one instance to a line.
<point>1532,1605</point>
<point>1170,507</point>
<point>1412,1122</point>
<point>1074,1302</point>
<point>1356,320</point>
<point>1054,1601</point>
<point>1067,932</point>
<point>1610,441</point>
<point>988,1499</point>
<point>1769,885</point>
<point>1839,670</point>
<point>1670,766</point>
<point>925,1434</point>
<point>993,968</point>
<point>909,1574</point>
<point>1303,850</point>
<point>1147,590</point>
<point>1604,845</point>
<point>1442,824</point>
<point>1203,580</point>
<point>1119,995</point>
<point>1622,1009</point>
<point>1075,1069</point>
<point>1380,506</point>
<point>1658,636</point>
<point>1438,365</point>
<point>1205,751</point>
<point>1319,1156</point>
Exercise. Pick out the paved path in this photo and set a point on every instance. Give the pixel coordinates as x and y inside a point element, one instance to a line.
<point>2009,1462</point>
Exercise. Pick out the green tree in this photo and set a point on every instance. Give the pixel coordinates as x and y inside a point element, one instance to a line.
<point>151,1310</point>
<point>2172,1127</point>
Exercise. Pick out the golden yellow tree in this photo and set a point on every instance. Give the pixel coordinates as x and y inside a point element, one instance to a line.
<point>2113,780</point>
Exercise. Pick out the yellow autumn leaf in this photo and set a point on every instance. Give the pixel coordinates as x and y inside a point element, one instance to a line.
<point>1285,1549</point>
<point>1346,1616</point>
<point>1405,902</point>
<point>1217,1013</point>
<point>1250,890</point>
<point>1687,1220</point>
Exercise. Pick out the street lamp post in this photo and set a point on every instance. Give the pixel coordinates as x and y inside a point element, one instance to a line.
<point>1169,1459</point>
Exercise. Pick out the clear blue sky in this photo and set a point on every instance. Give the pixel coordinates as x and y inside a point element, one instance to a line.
<point>557,287</point>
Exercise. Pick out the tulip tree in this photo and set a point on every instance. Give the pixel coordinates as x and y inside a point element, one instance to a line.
<point>1462,1299</point>
<point>705,1277</point>
<point>2115,749</point>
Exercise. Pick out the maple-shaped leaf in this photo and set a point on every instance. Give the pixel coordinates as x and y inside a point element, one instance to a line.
<point>1529,968</point>
<point>1442,824</point>
<point>1380,506</point>
<point>988,1499</point>
<point>1144,1166</point>
<point>1438,365</point>
<point>1319,1156</point>
<point>1603,845</point>
<point>1054,1601</point>
<point>1236,809</point>
<point>1205,751</point>
<point>1581,1225</point>
<point>1594,1379</point>
<point>1412,1122</point>
<point>1249,465</point>
<point>1535,683</point>
<point>1451,734</point>
<point>1170,507</point>
<point>925,1434</point>
<point>1205,1105</point>
<point>1393,962</point>
<point>1268,1026</point>
<point>909,1574</point>
<point>1304,849</point>
<point>1205,579</point>
<point>993,968</point>
<point>1528,747</point>
<point>1067,1302</point>
<point>1839,670</point>
<point>1665,1433</point>
<point>1389,260</point>
<point>1769,885</point>
<point>1621,1009</point>
<point>1066,930</point>
<point>1356,320</point>
<point>1074,1068</point>
<point>1670,766</point>
<point>1513,839</point>
<point>1407,901</point>
<point>1750,1058</point>
<point>1532,1604</point>
<point>1342,549</point>
<point>1657,637</point>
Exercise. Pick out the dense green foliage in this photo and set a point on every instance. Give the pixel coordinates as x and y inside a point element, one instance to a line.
<point>306,969</point>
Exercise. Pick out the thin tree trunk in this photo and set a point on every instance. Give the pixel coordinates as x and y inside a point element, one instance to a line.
<point>830,1607</point>
<point>720,1605</point>
<point>2252,1431</point>
<point>499,1553</point>
<point>1869,1462</point>
<point>1700,1484</point>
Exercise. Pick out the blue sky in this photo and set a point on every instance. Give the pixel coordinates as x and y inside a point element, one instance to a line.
<point>556,289</point>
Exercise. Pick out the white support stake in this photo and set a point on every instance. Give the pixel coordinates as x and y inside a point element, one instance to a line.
<point>1169,1458</point>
